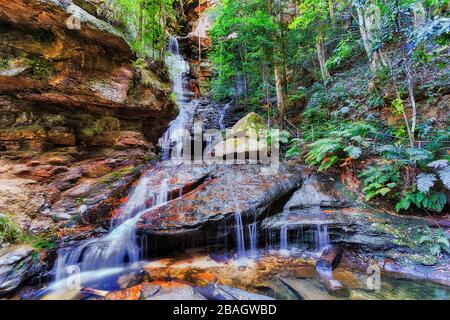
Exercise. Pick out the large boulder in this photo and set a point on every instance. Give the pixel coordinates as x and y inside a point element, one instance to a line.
<point>214,203</point>
<point>330,258</point>
<point>307,289</point>
<point>311,194</point>
<point>251,126</point>
<point>247,137</point>
<point>214,291</point>
<point>17,264</point>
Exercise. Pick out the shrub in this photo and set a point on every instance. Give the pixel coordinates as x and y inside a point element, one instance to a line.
<point>41,69</point>
<point>9,231</point>
<point>435,241</point>
<point>380,180</point>
<point>339,147</point>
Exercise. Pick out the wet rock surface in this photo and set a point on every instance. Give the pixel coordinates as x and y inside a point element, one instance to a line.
<point>229,190</point>
<point>386,237</point>
<point>312,194</point>
<point>17,264</point>
<point>330,258</point>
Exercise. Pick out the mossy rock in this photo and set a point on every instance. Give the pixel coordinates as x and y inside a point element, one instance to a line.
<point>93,127</point>
<point>251,126</point>
<point>115,176</point>
<point>150,80</point>
<point>87,6</point>
<point>424,259</point>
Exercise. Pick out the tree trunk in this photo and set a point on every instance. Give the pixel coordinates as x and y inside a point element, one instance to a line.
<point>419,15</point>
<point>279,89</point>
<point>265,75</point>
<point>322,60</point>
<point>366,38</point>
<point>199,38</point>
<point>141,25</point>
<point>331,8</point>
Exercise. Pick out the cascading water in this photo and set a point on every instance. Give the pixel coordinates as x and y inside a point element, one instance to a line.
<point>252,229</point>
<point>321,237</point>
<point>223,115</point>
<point>120,246</point>
<point>174,138</point>
<point>284,245</point>
<point>103,257</point>
<point>240,236</point>
<point>253,235</point>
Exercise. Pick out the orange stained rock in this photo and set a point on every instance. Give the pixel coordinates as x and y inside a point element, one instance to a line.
<point>133,293</point>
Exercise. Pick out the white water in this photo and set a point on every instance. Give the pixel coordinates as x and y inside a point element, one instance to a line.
<point>284,245</point>
<point>223,115</point>
<point>174,138</point>
<point>311,241</point>
<point>240,236</point>
<point>93,258</point>
<point>321,237</point>
<point>120,247</point>
<point>253,235</point>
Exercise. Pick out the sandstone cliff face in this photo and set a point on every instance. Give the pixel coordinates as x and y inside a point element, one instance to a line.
<point>74,114</point>
<point>194,17</point>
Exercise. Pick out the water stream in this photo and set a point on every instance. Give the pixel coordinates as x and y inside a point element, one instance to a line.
<point>121,247</point>
<point>93,261</point>
<point>172,141</point>
<point>223,115</point>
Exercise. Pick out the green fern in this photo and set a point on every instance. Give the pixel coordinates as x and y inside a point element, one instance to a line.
<point>323,153</point>
<point>435,241</point>
<point>380,180</point>
<point>433,201</point>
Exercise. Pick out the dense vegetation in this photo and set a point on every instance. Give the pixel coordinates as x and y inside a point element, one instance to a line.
<point>357,84</point>
<point>145,24</point>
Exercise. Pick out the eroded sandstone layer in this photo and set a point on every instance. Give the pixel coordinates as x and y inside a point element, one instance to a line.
<point>76,119</point>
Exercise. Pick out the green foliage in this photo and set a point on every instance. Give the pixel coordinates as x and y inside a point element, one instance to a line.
<point>145,24</point>
<point>375,100</point>
<point>380,181</point>
<point>4,63</point>
<point>344,51</point>
<point>252,40</point>
<point>339,146</point>
<point>243,42</point>
<point>312,13</point>
<point>433,201</point>
<point>40,68</point>
<point>434,240</point>
<point>39,242</point>
<point>9,231</point>
<point>325,152</point>
<point>295,150</point>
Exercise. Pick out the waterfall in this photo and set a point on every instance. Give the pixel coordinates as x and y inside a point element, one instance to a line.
<point>223,115</point>
<point>136,203</point>
<point>253,235</point>
<point>240,235</point>
<point>120,246</point>
<point>321,237</point>
<point>99,257</point>
<point>174,138</point>
<point>284,245</point>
